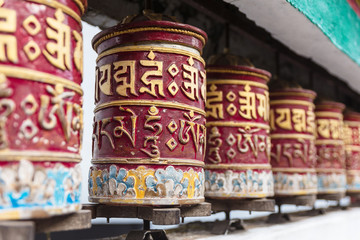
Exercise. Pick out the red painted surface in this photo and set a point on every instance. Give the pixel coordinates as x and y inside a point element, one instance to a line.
<point>128,133</point>
<point>352,154</point>
<point>330,155</point>
<point>306,146</point>
<point>53,139</point>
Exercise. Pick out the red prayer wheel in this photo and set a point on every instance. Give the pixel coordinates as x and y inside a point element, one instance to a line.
<point>330,147</point>
<point>238,142</point>
<point>40,107</point>
<point>149,126</point>
<point>352,149</point>
<point>293,153</point>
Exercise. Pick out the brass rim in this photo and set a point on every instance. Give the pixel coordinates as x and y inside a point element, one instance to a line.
<point>148,49</point>
<point>236,124</point>
<point>159,161</point>
<point>157,103</point>
<point>57,5</point>
<point>237,82</point>
<point>217,70</point>
<point>238,166</point>
<point>142,29</point>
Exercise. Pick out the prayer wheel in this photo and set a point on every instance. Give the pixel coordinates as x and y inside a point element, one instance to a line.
<point>238,143</point>
<point>40,107</point>
<point>352,149</point>
<point>330,147</point>
<point>149,125</point>
<point>293,153</point>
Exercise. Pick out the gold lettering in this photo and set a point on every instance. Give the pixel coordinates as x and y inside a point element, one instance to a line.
<point>95,137</point>
<point>247,103</point>
<point>272,120</point>
<point>203,86</point>
<point>310,121</point>
<point>246,141</point>
<point>335,128</point>
<point>192,74</point>
<point>104,82</point>
<point>277,154</point>
<point>7,106</point>
<point>8,43</point>
<point>299,119</point>
<point>284,120</point>
<point>96,84</point>
<point>119,130</point>
<point>58,52</point>
<point>323,128</point>
<point>78,52</point>
<point>213,97</point>
<point>215,143</point>
<point>287,153</point>
<point>58,97</point>
<point>263,108</point>
<point>152,74</point>
<point>157,128</point>
<point>299,152</point>
<point>125,82</point>
<point>103,132</point>
<point>198,133</point>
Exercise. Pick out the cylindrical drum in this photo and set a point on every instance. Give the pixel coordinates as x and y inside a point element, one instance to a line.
<point>149,126</point>
<point>352,149</point>
<point>293,153</point>
<point>238,143</point>
<point>40,107</point>
<point>330,147</point>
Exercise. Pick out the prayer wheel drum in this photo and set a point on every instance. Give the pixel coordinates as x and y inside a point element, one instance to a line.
<point>293,153</point>
<point>238,142</point>
<point>330,148</point>
<point>149,126</point>
<point>40,107</point>
<point>352,149</point>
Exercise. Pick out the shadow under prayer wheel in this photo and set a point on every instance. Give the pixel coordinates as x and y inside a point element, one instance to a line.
<point>352,149</point>
<point>330,147</point>
<point>238,143</point>
<point>41,107</point>
<point>149,125</point>
<point>293,153</point>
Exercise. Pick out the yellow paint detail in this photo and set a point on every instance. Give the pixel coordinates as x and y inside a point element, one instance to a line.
<point>140,175</point>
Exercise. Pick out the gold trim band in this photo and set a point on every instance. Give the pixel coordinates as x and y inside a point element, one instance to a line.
<point>292,101</point>
<point>352,123</point>
<point>291,136</point>
<point>38,156</point>
<point>57,5</point>
<point>329,142</point>
<point>356,172</point>
<point>216,70</point>
<point>236,124</point>
<point>142,29</point>
<point>158,161</point>
<point>329,114</point>
<point>301,94</point>
<point>287,193</point>
<point>352,148</point>
<point>238,166</point>
<point>237,82</point>
<point>150,48</point>
<point>33,75</point>
<point>81,6</point>
<point>294,170</point>
<point>330,170</point>
<point>156,103</point>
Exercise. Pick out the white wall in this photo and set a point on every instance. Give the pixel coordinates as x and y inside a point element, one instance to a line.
<point>88,104</point>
